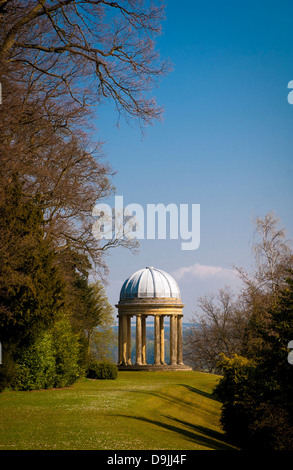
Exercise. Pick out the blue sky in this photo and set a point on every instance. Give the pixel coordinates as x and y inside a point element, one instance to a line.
<point>226,141</point>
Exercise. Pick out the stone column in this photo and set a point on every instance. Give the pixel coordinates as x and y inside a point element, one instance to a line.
<point>124,339</point>
<point>157,340</point>
<point>143,333</point>
<point>173,340</point>
<point>179,340</point>
<point>120,355</point>
<point>162,341</point>
<point>138,340</point>
<point>128,339</point>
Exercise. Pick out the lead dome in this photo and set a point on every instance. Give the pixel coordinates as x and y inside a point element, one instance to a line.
<point>149,283</point>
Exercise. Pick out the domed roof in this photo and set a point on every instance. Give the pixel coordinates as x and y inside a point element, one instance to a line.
<point>150,283</point>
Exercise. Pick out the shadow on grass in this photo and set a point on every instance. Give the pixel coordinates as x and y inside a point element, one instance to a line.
<point>201,392</point>
<point>166,398</point>
<point>173,399</point>
<point>197,434</point>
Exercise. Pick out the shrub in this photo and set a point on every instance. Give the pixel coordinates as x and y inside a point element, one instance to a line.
<point>237,371</point>
<point>7,369</point>
<point>255,411</point>
<point>50,361</point>
<point>233,391</point>
<point>66,351</point>
<point>35,366</point>
<point>102,370</point>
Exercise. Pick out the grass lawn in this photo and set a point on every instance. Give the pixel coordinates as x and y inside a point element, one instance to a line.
<point>137,411</point>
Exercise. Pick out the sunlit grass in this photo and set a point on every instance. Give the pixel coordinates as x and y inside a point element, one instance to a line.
<point>139,410</point>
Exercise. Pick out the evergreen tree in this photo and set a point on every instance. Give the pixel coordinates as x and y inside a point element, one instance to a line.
<point>31,287</point>
<point>86,303</point>
<point>257,391</point>
<point>257,386</point>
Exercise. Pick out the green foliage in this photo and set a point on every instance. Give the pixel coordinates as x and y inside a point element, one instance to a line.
<point>236,372</point>
<point>102,337</point>
<point>50,361</point>
<point>86,304</point>
<point>233,391</point>
<point>31,288</point>
<point>257,395</point>
<point>35,368</point>
<point>41,349</point>
<point>66,351</point>
<point>7,369</point>
<point>102,370</point>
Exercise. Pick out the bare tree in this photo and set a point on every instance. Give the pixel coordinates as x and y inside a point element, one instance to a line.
<point>58,59</point>
<point>273,250</point>
<point>218,327</point>
<point>273,265</point>
<point>227,323</point>
<point>61,168</point>
<point>88,49</point>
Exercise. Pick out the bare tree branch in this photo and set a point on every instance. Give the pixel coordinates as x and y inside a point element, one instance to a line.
<point>106,43</point>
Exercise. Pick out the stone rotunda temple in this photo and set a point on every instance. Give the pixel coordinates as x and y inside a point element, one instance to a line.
<point>150,292</point>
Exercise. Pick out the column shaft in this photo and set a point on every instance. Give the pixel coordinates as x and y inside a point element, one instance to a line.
<point>128,339</point>
<point>173,340</point>
<point>179,340</point>
<point>162,341</point>
<point>120,355</point>
<point>143,332</point>
<point>157,340</point>
<point>124,340</point>
<point>138,340</point>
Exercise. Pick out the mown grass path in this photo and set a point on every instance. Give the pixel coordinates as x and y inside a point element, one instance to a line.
<point>137,411</point>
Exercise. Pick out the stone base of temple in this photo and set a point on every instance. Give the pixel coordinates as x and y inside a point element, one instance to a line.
<point>153,367</point>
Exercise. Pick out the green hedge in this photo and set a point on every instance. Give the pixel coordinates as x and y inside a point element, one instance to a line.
<point>102,370</point>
